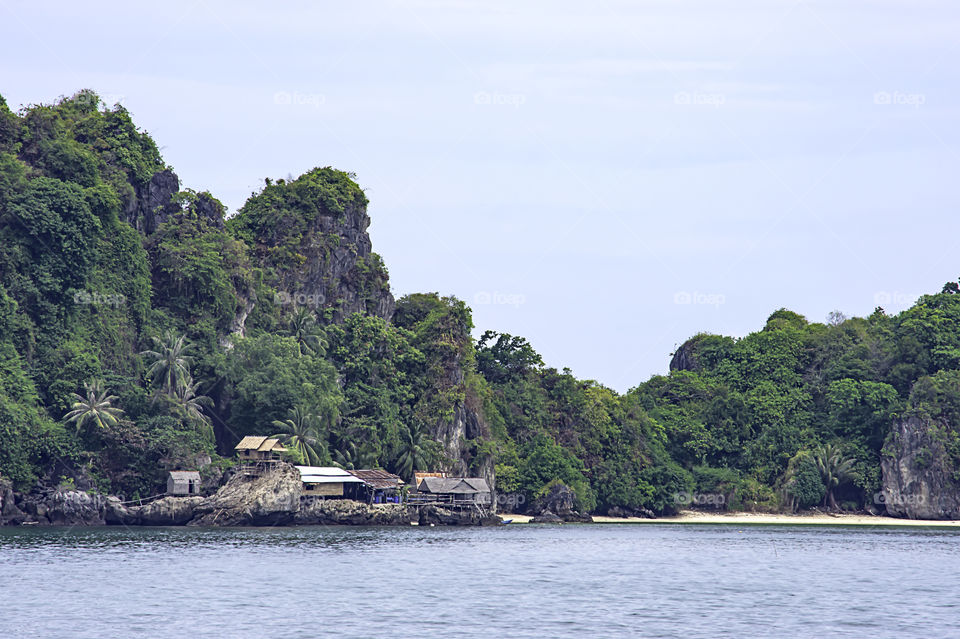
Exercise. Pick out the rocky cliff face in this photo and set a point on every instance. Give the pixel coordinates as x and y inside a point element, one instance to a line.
<point>150,205</point>
<point>918,475</point>
<point>313,233</point>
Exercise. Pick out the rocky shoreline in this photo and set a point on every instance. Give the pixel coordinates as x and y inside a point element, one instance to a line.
<point>272,499</point>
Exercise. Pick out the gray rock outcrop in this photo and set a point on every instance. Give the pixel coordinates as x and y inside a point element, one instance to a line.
<point>271,499</point>
<point>559,502</point>
<point>918,474</point>
<point>334,512</point>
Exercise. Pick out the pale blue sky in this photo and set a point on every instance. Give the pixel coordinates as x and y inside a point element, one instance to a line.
<point>576,172</point>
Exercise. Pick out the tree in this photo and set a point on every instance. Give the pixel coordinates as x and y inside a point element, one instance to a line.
<point>189,405</point>
<point>169,364</point>
<point>834,470</point>
<point>95,408</point>
<point>413,452</point>
<point>301,433</point>
<point>303,328</point>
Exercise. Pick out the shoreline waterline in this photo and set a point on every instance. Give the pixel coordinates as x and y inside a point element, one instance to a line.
<point>768,519</point>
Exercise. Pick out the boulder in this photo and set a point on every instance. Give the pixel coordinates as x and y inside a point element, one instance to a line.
<point>546,517</point>
<point>270,499</point>
<point>918,472</point>
<point>168,511</point>
<point>73,508</point>
<point>433,516</point>
<point>10,514</point>
<point>559,502</point>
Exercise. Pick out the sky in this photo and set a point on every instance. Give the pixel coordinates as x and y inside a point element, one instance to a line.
<point>606,179</point>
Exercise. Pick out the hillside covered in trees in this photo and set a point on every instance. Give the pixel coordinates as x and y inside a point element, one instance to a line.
<point>142,330</point>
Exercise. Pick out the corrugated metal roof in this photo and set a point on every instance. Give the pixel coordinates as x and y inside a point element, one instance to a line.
<point>378,479</point>
<point>326,475</point>
<point>185,475</point>
<point>454,485</point>
<point>332,471</point>
<point>328,479</point>
<point>251,442</point>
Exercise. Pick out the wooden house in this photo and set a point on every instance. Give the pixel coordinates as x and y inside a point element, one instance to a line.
<point>329,482</point>
<point>256,448</point>
<point>183,482</point>
<point>463,491</point>
<point>381,487</point>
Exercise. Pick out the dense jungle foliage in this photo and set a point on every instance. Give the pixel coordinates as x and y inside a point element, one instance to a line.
<point>120,355</point>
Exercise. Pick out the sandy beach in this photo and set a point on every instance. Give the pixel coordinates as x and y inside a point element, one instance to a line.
<point>813,519</point>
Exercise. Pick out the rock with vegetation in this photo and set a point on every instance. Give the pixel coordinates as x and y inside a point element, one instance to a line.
<point>558,501</point>
<point>921,479</point>
<point>141,330</point>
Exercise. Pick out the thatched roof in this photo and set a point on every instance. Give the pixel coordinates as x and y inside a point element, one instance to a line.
<point>260,443</point>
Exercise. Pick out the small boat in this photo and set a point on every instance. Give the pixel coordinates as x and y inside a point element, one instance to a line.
<point>504,522</point>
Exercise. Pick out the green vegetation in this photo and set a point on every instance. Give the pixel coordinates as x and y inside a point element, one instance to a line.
<point>138,336</point>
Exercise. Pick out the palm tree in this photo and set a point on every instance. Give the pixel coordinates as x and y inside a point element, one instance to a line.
<point>412,455</point>
<point>834,470</point>
<point>352,457</point>
<point>303,328</point>
<point>95,408</point>
<point>301,433</point>
<point>189,405</point>
<point>169,364</point>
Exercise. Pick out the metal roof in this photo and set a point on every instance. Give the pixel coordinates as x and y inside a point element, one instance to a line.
<point>326,475</point>
<point>456,485</point>
<point>378,479</point>
<point>329,479</point>
<point>185,475</point>
<point>332,471</point>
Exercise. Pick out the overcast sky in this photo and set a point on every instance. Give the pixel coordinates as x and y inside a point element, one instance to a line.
<point>605,179</point>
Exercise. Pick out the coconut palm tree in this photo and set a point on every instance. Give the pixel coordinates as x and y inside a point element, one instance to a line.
<point>303,328</point>
<point>95,408</point>
<point>834,470</point>
<point>189,405</point>
<point>349,456</point>
<point>413,454</point>
<point>301,433</point>
<point>169,365</point>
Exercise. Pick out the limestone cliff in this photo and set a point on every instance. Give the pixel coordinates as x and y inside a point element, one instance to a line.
<point>312,233</point>
<point>920,480</point>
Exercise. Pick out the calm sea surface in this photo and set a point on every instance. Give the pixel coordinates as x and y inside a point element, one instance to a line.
<point>512,581</point>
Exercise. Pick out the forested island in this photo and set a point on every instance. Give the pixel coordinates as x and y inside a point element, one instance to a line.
<point>143,331</point>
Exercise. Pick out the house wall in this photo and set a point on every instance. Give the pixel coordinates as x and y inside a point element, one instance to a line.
<point>323,490</point>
